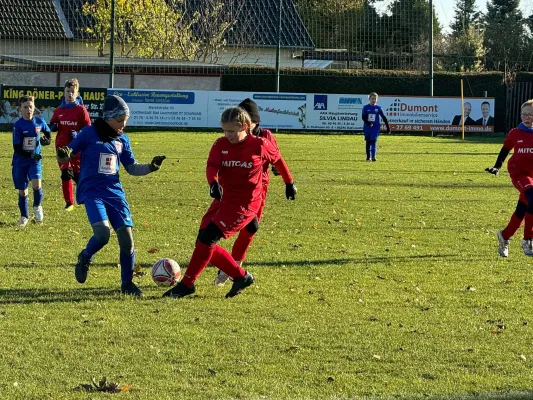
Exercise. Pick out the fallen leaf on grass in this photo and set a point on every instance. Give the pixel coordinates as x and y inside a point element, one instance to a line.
<point>377,356</point>
<point>152,250</point>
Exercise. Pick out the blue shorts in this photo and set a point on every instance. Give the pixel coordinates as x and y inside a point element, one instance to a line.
<point>23,172</point>
<point>116,210</point>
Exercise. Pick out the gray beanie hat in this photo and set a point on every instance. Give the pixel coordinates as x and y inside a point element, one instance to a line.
<point>115,107</point>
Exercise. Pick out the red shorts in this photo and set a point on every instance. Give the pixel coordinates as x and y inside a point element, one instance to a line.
<point>73,163</point>
<point>522,183</point>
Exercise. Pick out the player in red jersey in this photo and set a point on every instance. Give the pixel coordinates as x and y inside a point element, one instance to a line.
<point>520,167</point>
<point>67,121</point>
<point>234,173</point>
<point>246,235</point>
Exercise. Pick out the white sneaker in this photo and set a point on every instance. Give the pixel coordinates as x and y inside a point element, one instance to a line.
<point>221,278</point>
<point>503,249</point>
<point>23,221</point>
<point>527,246</point>
<point>39,213</point>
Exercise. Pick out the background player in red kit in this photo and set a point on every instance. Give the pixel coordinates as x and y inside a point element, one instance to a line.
<point>234,173</point>
<point>246,235</point>
<point>520,167</point>
<point>67,121</point>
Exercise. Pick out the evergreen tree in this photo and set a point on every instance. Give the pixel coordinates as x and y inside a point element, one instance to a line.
<point>465,16</point>
<point>504,34</point>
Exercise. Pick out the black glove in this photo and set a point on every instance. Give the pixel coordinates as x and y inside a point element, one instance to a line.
<point>275,171</point>
<point>63,152</point>
<point>73,134</point>
<point>290,191</point>
<point>156,163</point>
<point>36,157</point>
<point>388,129</point>
<point>492,170</point>
<point>215,190</point>
<point>45,140</point>
<point>54,127</point>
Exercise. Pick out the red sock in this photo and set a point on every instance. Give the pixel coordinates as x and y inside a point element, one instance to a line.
<point>225,262</point>
<point>68,192</point>
<point>528,226</point>
<point>241,245</point>
<point>512,227</point>
<point>200,258</point>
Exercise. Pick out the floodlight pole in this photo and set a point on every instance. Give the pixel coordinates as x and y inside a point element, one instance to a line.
<point>430,48</point>
<point>112,46</point>
<point>278,49</point>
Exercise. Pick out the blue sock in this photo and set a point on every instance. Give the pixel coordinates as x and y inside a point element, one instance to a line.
<point>38,197</point>
<point>23,206</point>
<point>374,150</point>
<point>127,263</point>
<point>93,245</point>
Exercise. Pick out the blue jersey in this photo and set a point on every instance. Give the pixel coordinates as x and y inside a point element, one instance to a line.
<point>373,114</point>
<point>100,164</point>
<point>27,134</point>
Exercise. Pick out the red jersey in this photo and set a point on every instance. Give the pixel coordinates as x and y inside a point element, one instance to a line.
<point>240,169</point>
<point>521,142</point>
<point>68,119</point>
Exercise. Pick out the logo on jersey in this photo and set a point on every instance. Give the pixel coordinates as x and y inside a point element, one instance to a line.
<point>237,164</point>
<point>525,151</point>
<point>118,146</point>
<point>69,123</point>
<point>37,129</point>
<point>224,152</point>
<point>321,102</point>
<point>108,164</point>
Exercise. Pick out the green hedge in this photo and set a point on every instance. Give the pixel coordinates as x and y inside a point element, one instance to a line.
<point>296,80</point>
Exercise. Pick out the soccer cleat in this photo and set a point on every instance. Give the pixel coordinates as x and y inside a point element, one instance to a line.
<point>503,248</point>
<point>131,289</point>
<point>180,290</point>
<point>69,207</point>
<point>82,268</point>
<point>23,221</point>
<point>527,246</point>
<point>221,278</point>
<point>240,284</point>
<point>374,159</point>
<point>39,213</point>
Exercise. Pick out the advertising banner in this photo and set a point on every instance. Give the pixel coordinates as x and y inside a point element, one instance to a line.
<point>165,107</point>
<point>47,99</point>
<point>438,114</point>
<point>337,112</point>
<point>277,110</point>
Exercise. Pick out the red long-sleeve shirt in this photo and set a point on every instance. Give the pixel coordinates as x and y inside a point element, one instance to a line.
<point>69,119</point>
<point>239,168</point>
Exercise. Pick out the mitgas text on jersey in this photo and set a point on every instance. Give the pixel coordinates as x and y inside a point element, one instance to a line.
<point>243,164</point>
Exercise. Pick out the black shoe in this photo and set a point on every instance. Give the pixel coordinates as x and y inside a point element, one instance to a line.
<point>240,284</point>
<point>82,268</point>
<point>374,159</point>
<point>131,289</point>
<point>180,290</point>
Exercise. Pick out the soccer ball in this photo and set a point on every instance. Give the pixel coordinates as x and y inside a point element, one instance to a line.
<point>166,272</point>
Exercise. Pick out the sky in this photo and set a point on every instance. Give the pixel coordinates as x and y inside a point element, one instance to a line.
<point>446,9</point>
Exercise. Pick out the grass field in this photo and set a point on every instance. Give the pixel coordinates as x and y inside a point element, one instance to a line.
<point>382,280</point>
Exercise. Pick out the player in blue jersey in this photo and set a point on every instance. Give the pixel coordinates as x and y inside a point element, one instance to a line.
<point>27,164</point>
<point>372,127</point>
<point>103,147</point>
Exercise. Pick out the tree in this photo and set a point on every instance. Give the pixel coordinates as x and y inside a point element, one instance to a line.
<point>465,52</point>
<point>504,34</point>
<point>465,16</point>
<point>166,29</point>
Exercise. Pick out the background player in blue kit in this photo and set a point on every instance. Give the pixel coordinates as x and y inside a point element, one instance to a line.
<point>371,127</point>
<point>27,164</point>
<point>103,147</point>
